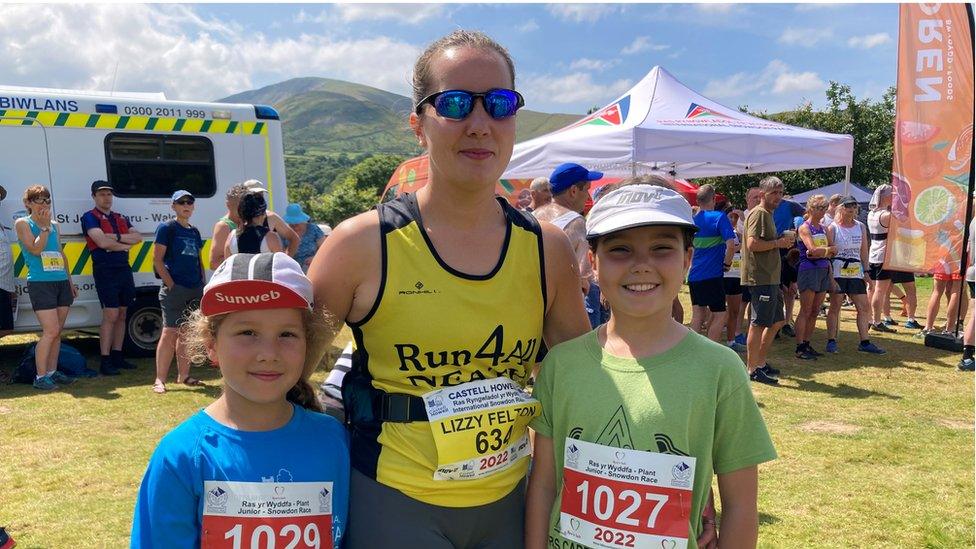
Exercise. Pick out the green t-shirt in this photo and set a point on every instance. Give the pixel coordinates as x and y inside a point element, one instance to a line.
<point>694,399</point>
<point>760,268</point>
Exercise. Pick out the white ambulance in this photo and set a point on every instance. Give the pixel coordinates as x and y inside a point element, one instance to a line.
<point>145,146</point>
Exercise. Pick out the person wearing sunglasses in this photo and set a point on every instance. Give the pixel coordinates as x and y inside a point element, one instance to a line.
<point>813,272</point>
<point>449,293</point>
<point>177,260</point>
<point>49,283</point>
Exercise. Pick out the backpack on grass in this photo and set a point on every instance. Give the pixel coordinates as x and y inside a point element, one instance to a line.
<point>70,362</point>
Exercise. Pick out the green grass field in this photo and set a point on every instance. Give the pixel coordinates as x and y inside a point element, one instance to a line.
<point>873,451</point>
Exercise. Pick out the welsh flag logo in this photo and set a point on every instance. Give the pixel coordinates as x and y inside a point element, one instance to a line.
<point>697,111</point>
<point>611,115</point>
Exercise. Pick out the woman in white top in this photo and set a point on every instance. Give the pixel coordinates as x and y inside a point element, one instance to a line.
<point>253,236</point>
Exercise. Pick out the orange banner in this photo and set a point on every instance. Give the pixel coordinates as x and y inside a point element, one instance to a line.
<point>933,138</point>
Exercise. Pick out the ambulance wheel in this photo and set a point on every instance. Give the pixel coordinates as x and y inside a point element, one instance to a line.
<point>143,326</point>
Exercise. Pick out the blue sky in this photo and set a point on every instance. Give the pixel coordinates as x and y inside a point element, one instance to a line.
<point>568,57</point>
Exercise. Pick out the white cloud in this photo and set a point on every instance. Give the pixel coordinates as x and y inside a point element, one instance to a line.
<point>571,88</point>
<point>805,37</point>
<point>641,44</point>
<point>579,13</point>
<point>869,41</point>
<point>179,53</point>
<point>776,79</point>
<point>593,64</point>
<point>408,13</point>
<point>528,26</point>
<point>716,9</point>
<point>807,7</point>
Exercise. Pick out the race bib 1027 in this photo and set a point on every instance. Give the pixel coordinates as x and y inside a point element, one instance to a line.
<point>619,498</point>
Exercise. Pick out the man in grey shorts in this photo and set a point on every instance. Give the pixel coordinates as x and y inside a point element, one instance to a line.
<point>761,274</point>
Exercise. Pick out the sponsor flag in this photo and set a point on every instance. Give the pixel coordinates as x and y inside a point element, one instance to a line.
<point>933,150</point>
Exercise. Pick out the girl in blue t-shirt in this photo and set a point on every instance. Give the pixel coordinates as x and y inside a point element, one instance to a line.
<point>261,466</point>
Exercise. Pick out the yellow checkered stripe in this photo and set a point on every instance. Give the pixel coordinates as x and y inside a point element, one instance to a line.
<point>10,117</point>
<point>79,258</point>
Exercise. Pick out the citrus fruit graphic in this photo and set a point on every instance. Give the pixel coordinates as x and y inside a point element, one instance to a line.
<point>934,205</point>
<point>961,149</point>
<point>911,132</point>
<point>921,163</point>
<point>901,198</point>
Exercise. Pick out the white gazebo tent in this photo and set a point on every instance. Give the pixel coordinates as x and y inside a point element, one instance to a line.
<point>661,125</point>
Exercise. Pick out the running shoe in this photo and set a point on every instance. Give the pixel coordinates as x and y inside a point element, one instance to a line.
<point>967,365</point>
<point>831,346</point>
<point>913,324</point>
<point>62,379</point>
<point>737,347</point>
<point>770,371</point>
<point>87,372</point>
<point>870,348</point>
<point>804,354</point>
<point>6,542</point>
<point>788,331</point>
<point>813,351</point>
<point>890,322</point>
<point>45,384</point>
<point>760,376</point>
<point>740,339</point>
<point>881,327</point>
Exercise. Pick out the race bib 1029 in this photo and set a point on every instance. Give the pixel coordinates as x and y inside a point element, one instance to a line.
<point>267,515</point>
<point>619,498</point>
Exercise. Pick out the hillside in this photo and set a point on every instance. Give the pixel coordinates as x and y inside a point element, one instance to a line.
<point>322,116</point>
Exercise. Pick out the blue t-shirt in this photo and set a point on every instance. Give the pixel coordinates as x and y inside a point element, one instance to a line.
<point>307,247</point>
<point>182,259</point>
<point>714,229</point>
<point>311,447</point>
<point>784,214</point>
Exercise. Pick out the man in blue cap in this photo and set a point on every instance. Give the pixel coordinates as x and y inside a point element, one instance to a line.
<point>570,186</point>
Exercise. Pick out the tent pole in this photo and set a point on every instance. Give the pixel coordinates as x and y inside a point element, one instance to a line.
<point>847,180</point>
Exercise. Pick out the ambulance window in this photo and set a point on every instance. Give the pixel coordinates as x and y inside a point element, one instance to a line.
<point>154,166</point>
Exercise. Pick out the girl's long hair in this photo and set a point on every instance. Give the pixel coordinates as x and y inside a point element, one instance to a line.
<point>200,331</point>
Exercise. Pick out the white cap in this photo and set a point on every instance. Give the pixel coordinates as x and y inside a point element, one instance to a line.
<point>254,186</point>
<point>245,282</point>
<point>636,206</point>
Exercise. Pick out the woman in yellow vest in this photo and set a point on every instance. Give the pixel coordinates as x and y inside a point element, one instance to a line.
<point>449,293</point>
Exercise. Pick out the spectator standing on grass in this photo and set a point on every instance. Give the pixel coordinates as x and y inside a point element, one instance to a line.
<point>570,185</point>
<point>784,217</point>
<point>967,363</point>
<point>8,290</point>
<point>850,236</point>
<point>733,293</point>
<point>108,237</point>
<point>879,219</point>
<point>48,283</point>
<point>541,193</point>
<point>311,235</point>
<point>950,286</point>
<point>813,273</point>
<point>252,235</point>
<point>761,273</point>
<point>176,258</point>
<point>714,245</point>
<point>231,219</point>
<point>831,214</point>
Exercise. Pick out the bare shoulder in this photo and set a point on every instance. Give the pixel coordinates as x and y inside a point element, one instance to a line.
<point>554,239</point>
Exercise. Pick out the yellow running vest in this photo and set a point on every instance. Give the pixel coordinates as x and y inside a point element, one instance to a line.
<point>433,327</point>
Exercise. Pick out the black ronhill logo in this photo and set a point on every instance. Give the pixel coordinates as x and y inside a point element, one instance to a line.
<point>419,290</point>
<point>272,295</point>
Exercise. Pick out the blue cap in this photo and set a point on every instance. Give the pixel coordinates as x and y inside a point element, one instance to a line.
<point>568,174</point>
<point>180,194</point>
<point>295,214</point>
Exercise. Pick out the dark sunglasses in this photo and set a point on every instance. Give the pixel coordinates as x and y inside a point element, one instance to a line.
<point>186,201</point>
<point>41,200</point>
<point>458,104</point>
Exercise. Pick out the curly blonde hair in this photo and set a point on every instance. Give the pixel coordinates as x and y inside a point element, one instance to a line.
<point>813,201</point>
<point>200,331</point>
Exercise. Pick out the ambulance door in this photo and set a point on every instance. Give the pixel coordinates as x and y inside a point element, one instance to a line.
<point>25,160</point>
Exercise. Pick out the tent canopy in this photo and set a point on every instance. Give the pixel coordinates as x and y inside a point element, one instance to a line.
<point>861,194</point>
<point>661,125</point>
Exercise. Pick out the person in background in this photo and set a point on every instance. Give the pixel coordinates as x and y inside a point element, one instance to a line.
<point>950,286</point>
<point>252,234</point>
<point>311,235</point>
<point>49,283</point>
<point>879,219</point>
<point>850,236</point>
<point>714,246</point>
<point>8,287</point>
<point>967,363</point>
<point>732,280</point>
<point>761,273</point>
<point>541,193</point>
<point>176,258</point>
<point>832,204</point>
<point>570,184</point>
<point>784,217</point>
<point>108,237</point>
<point>226,225</point>
<point>813,273</point>
<point>275,222</point>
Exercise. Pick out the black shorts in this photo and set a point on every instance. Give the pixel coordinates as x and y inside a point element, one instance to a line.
<point>177,303</point>
<point>50,295</point>
<point>733,285</point>
<point>767,305</point>
<point>896,277</point>
<point>114,285</point>
<point>746,296</point>
<point>787,272</point>
<point>851,286</point>
<point>6,310</point>
<point>972,290</point>
<point>708,293</point>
